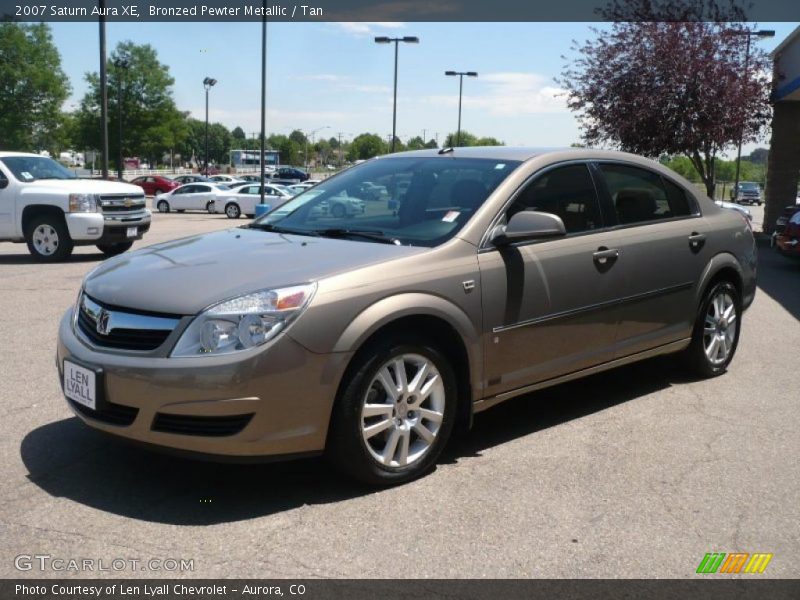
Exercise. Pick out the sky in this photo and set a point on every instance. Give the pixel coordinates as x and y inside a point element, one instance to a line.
<point>333,77</point>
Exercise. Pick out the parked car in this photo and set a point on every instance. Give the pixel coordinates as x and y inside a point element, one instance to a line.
<point>226,179</point>
<point>787,232</point>
<point>747,191</point>
<point>184,179</point>
<point>298,188</point>
<point>372,337</point>
<point>155,184</point>
<point>340,206</point>
<point>192,196</point>
<point>43,204</point>
<point>243,200</point>
<point>289,175</point>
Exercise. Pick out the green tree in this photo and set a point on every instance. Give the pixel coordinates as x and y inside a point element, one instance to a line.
<point>290,152</point>
<point>298,137</point>
<point>466,139</point>
<point>489,141</point>
<point>32,87</point>
<point>149,115</point>
<point>431,143</point>
<point>238,135</point>
<point>366,145</point>
<point>416,143</point>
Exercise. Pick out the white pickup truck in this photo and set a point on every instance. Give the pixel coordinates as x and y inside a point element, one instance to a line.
<point>44,204</point>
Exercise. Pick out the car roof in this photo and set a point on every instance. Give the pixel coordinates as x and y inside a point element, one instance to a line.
<point>8,153</point>
<point>521,153</point>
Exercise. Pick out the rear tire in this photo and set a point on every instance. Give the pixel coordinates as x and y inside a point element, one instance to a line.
<point>114,249</point>
<point>232,210</point>
<point>389,428</point>
<point>48,238</point>
<point>163,206</point>
<point>716,331</point>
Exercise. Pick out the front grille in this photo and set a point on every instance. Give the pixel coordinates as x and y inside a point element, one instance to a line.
<point>113,414</point>
<point>122,203</point>
<point>122,329</point>
<point>204,426</point>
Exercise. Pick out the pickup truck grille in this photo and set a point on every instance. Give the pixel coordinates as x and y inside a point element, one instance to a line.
<point>110,327</point>
<point>121,203</point>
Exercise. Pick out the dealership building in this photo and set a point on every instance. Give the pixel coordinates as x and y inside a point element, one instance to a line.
<point>783,169</point>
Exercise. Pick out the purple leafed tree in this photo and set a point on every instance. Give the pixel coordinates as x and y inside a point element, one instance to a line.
<point>656,88</point>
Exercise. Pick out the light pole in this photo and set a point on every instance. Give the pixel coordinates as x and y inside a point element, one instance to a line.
<point>387,40</point>
<point>262,169</point>
<point>121,64</point>
<point>103,93</point>
<point>761,33</point>
<point>208,83</point>
<point>460,93</point>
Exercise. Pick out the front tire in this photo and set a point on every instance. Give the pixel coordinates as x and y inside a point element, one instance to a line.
<point>114,249</point>
<point>163,206</point>
<point>395,412</point>
<point>210,208</point>
<point>48,239</point>
<point>716,331</point>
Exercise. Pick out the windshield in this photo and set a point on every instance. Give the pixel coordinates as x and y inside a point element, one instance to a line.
<point>747,185</point>
<point>418,201</point>
<point>31,168</point>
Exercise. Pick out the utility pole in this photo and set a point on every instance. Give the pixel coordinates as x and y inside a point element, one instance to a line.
<point>103,91</point>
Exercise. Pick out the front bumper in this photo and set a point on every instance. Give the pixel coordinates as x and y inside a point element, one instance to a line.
<point>278,397</point>
<point>94,228</point>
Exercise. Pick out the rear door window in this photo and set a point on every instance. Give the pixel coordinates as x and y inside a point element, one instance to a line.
<point>642,196</point>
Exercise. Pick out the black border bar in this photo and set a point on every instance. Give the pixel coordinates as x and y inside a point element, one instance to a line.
<point>402,10</point>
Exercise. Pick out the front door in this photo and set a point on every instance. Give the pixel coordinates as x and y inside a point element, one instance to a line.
<point>550,307</point>
<point>7,207</point>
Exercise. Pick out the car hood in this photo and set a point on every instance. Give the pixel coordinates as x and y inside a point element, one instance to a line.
<point>185,276</point>
<point>81,186</point>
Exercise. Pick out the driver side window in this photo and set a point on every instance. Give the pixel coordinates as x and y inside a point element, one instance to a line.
<point>568,192</point>
<point>3,181</point>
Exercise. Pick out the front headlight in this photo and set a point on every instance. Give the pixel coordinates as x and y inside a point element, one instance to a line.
<point>243,322</point>
<point>82,203</point>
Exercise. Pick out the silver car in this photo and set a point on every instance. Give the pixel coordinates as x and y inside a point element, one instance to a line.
<point>372,336</point>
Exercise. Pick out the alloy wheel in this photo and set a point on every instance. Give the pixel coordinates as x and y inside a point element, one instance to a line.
<point>403,410</point>
<point>719,331</point>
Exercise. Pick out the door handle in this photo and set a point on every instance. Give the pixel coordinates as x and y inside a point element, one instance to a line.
<point>696,241</point>
<point>605,255</point>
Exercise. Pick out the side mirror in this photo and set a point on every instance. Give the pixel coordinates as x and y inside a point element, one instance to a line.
<point>528,225</point>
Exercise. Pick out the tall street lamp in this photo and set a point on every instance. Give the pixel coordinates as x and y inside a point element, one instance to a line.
<point>208,83</point>
<point>761,33</point>
<point>460,93</point>
<point>387,40</point>
<point>122,64</point>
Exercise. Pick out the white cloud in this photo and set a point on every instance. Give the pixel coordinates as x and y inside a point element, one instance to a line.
<point>363,29</point>
<point>318,77</point>
<point>509,94</point>
<point>345,83</point>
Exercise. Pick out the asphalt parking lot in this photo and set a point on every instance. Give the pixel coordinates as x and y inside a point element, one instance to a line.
<point>637,472</point>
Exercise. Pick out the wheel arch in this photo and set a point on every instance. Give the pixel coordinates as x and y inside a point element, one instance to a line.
<point>439,321</point>
<point>723,266</point>
<point>31,211</point>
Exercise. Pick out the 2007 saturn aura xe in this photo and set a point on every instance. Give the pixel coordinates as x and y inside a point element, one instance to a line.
<point>471,275</point>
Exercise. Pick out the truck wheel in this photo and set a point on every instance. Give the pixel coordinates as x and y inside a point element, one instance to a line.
<point>163,206</point>
<point>114,249</point>
<point>48,239</point>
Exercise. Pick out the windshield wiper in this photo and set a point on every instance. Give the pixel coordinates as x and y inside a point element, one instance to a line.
<point>278,229</point>
<point>367,234</point>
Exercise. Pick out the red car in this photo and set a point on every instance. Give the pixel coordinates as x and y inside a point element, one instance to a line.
<point>155,184</point>
<point>787,234</point>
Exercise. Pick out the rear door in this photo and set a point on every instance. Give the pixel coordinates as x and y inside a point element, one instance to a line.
<point>201,195</point>
<point>550,306</point>
<point>661,235</point>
